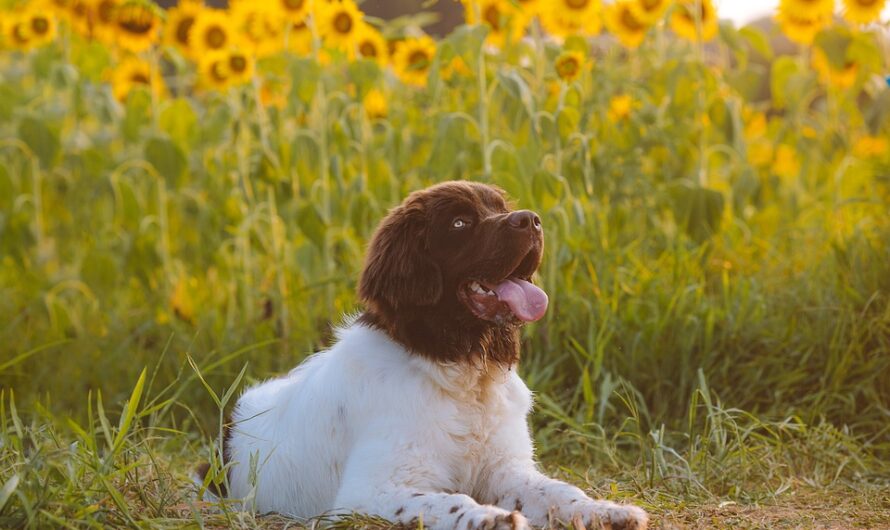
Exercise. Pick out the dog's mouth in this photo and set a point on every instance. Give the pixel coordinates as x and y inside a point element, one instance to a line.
<point>514,299</point>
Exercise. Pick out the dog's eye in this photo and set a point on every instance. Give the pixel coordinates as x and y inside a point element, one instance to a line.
<point>459,223</point>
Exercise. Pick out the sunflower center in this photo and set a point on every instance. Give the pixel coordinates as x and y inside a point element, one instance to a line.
<point>688,13</point>
<point>343,23</point>
<point>629,21</point>
<point>651,5</point>
<point>493,16</point>
<point>183,29</point>
<point>105,11</point>
<point>418,60</point>
<point>238,64</point>
<point>866,3</point>
<point>367,49</point>
<point>577,4</point>
<point>215,37</point>
<point>293,5</point>
<point>137,22</point>
<point>39,25</point>
<point>217,72</point>
<point>568,67</point>
<point>140,78</point>
<point>19,34</point>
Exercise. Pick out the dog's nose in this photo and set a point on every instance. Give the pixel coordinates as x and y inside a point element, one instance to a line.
<point>524,220</point>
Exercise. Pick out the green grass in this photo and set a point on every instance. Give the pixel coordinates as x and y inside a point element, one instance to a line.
<point>718,344</point>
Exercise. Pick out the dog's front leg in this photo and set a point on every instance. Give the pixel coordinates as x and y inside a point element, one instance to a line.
<point>518,485</point>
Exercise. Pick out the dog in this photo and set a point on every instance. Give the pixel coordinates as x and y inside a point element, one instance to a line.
<point>416,413</point>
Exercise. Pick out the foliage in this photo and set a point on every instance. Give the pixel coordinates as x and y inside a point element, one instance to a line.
<point>718,244</point>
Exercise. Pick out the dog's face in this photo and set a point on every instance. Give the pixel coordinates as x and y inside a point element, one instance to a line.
<point>455,258</point>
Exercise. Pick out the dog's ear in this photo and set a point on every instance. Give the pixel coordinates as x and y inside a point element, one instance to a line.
<point>399,271</point>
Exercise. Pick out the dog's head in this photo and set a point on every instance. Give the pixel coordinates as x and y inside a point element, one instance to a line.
<point>448,272</point>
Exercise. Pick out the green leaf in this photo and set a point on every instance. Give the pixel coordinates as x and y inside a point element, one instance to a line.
<point>834,44</point>
<point>697,210</point>
<point>304,74</point>
<point>758,41</point>
<point>178,120</point>
<point>783,69</point>
<point>166,157</point>
<point>130,412</point>
<point>312,224</point>
<point>42,141</point>
<point>137,113</point>
<point>7,490</point>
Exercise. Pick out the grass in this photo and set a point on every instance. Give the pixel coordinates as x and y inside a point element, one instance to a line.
<point>718,345</point>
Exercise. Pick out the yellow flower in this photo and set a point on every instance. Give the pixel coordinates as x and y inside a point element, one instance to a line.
<point>786,163</point>
<point>760,153</point>
<point>212,31</point>
<point>622,21</point>
<point>180,21</point>
<point>413,59</point>
<point>569,65</point>
<point>135,26</point>
<point>29,29</point>
<point>505,22</point>
<point>530,8</point>
<point>299,38</point>
<point>649,11</point>
<point>870,146</point>
<point>808,132</point>
<point>455,67</point>
<point>260,25</point>
<point>370,44</point>
<point>133,72</point>
<point>685,22</point>
<point>807,8</point>
<point>338,24</point>
<point>226,68</point>
<point>272,94</point>
<point>375,104</point>
<point>295,10</point>
<point>829,74</point>
<point>101,19</point>
<point>620,107</point>
<point>801,29</point>
<point>755,124</point>
<point>567,17</point>
<point>863,11</point>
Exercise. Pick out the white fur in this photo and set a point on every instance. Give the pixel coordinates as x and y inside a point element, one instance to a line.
<point>368,427</point>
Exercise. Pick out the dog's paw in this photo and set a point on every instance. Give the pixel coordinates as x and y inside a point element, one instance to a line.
<point>491,518</point>
<point>611,516</point>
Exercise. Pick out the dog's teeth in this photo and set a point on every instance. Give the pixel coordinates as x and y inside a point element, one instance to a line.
<point>476,288</point>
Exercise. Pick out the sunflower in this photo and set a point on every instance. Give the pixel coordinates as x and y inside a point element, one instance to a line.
<point>413,59</point>
<point>530,8</point>
<point>786,163</point>
<point>649,11</point>
<point>136,26</point>
<point>259,23</point>
<point>132,73</point>
<point>180,20</point>
<point>338,23</point>
<point>838,76</point>
<point>870,146</point>
<point>370,44</point>
<point>29,29</point>
<point>101,19</point>
<point>375,104</point>
<point>685,22</point>
<point>299,37</point>
<point>61,9</point>
<point>863,11</point>
<point>567,17</point>
<point>569,65</point>
<point>807,8</point>
<point>80,16</point>
<point>622,21</point>
<point>504,21</point>
<point>211,32</point>
<point>295,10</point>
<point>454,68</point>
<point>620,108</point>
<point>801,30</point>
<point>225,68</point>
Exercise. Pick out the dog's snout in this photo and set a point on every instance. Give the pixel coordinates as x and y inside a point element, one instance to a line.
<point>524,220</point>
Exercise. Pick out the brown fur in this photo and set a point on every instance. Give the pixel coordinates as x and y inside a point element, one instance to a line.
<point>416,264</point>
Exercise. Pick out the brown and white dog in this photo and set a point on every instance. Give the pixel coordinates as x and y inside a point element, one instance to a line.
<point>417,412</point>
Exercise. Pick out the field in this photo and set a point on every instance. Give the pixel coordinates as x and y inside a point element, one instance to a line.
<point>186,196</point>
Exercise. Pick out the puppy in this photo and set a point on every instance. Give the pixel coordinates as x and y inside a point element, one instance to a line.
<point>416,413</point>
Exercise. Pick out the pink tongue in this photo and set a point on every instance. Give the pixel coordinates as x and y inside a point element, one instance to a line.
<point>527,301</point>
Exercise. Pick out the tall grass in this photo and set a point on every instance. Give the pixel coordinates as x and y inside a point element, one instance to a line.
<point>718,330</point>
